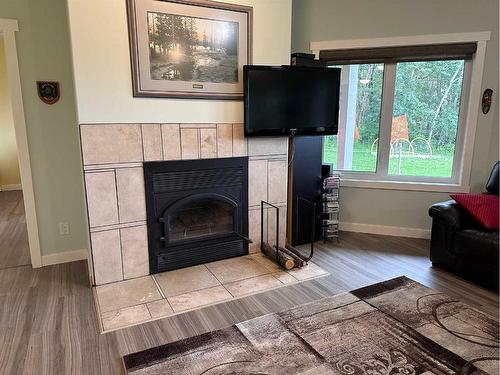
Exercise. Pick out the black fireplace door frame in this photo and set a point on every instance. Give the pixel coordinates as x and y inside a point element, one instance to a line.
<point>169,182</point>
<point>167,243</point>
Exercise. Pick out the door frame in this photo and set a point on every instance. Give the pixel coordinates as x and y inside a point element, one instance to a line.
<point>8,28</point>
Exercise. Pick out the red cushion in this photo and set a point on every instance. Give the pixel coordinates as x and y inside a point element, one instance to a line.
<point>483,207</point>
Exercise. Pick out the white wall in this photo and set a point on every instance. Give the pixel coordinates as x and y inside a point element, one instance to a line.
<point>101,59</point>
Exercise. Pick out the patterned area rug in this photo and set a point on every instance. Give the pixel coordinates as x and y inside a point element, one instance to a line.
<point>394,327</point>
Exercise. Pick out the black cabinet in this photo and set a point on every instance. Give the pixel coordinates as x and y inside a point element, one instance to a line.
<point>304,176</point>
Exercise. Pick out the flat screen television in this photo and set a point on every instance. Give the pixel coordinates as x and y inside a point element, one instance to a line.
<point>290,100</point>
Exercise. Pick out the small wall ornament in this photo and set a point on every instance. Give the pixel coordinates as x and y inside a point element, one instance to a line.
<point>48,91</point>
<point>486,102</point>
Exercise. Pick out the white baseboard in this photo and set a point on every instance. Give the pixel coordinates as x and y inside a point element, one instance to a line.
<point>386,230</point>
<point>11,187</point>
<point>64,257</point>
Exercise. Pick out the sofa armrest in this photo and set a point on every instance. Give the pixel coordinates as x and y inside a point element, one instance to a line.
<point>447,212</point>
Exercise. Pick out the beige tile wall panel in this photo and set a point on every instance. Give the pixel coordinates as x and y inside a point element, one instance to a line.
<point>267,146</point>
<point>254,229</point>
<point>112,143</point>
<point>271,217</point>
<point>106,253</point>
<point>277,181</point>
<point>135,255</point>
<point>257,182</point>
<point>190,144</point>
<point>101,198</point>
<point>171,138</point>
<point>198,126</point>
<point>131,194</point>
<point>208,143</point>
<point>224,140</point>
<point>239,141</point>
<point>151,142</point>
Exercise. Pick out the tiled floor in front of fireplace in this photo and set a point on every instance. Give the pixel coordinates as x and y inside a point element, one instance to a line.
<point>147,298</point>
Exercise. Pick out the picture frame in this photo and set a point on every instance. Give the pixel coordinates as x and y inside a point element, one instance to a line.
<point>189,48</point>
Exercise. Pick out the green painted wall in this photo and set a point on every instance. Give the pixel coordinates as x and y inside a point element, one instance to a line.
<point>316,20</point>
<point>44,54</point>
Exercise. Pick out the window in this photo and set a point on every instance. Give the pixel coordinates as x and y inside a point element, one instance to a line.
<point>425,118</point>
<point>402,113</point>
<point>359,119</point>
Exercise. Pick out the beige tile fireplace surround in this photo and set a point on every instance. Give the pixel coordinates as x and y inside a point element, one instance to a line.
<point>113,156</point>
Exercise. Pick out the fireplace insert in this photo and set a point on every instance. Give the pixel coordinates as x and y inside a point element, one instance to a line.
<point>197,211</point>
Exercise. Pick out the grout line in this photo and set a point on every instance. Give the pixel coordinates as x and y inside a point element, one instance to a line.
<point>180,140</point>
<point>161,140</point>
<point>142,143</point>
<point>158,287</point>
<point>117,196</point>
<point>104,167</point>
<point>129,307</point>
<point>219,281</point>
<point>149,311</point>
<point>173,311</point>
<point>231,294</point>
<point>119,230</point>
<point>287,271</point>
<point>213,274</point>
<point>127,224</point>
<point>278,279</point>
<point>194,290</point>
<point>198,142</point>
<point>121,252</point>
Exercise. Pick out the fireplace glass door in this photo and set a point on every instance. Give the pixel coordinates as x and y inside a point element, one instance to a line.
<point>199,218</point>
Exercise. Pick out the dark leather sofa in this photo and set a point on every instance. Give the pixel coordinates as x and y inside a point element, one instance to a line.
<point>461,245</point>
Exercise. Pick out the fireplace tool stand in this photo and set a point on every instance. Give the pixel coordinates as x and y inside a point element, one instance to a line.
<point>287,257</point>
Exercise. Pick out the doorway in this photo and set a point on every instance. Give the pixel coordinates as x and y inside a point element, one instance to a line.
<point>14,248</point>
<point>19,239</point>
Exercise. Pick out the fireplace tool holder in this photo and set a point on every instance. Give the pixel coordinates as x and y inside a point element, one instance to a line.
<point>287,257</point>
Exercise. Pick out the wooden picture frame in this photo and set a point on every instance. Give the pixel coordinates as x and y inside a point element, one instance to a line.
<point>189,48</point>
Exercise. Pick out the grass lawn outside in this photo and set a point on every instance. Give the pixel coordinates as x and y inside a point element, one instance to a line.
<point>438,165</point>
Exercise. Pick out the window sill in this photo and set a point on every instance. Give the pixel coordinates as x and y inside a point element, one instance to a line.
<point>404,185</point>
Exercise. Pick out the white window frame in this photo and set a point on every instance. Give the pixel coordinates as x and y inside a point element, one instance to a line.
<point>469,111</point>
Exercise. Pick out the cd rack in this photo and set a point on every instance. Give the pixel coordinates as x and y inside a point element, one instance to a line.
<point>331,207</point>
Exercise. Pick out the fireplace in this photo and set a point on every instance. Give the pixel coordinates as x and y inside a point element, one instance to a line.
<point>197,211</point>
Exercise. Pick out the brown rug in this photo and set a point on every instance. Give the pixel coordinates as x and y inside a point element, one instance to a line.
<point>394,327</point>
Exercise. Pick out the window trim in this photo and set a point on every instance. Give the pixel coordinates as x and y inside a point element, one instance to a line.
<point>471,92</point>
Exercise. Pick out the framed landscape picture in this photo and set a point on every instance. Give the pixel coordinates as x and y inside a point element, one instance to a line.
<point>189,48</point>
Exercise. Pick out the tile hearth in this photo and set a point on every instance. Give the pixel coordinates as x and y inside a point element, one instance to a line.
<point>135,301</point>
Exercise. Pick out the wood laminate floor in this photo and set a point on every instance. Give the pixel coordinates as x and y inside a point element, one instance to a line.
<point>14,249</point>
<point>48,325</point>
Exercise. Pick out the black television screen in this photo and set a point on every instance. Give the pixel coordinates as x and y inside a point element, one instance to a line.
<point>291,100</point>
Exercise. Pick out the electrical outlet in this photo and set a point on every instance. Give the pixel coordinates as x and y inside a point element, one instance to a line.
<point>63,229</point>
